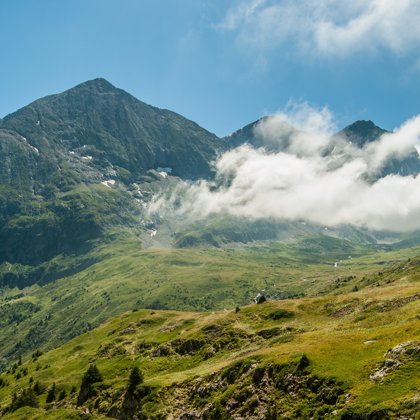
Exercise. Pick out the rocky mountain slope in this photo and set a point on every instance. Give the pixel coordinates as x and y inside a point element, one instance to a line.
<point>95,130</point>
<point>56,152</point>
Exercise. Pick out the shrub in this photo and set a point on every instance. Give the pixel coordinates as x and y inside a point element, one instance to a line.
<point>279,314</point>
<point>234,371</point>
<point>303,363</point>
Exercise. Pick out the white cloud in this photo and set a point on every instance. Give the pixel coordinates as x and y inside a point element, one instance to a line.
<point>300,129</point>
<point>394,145</point>
<point>308,184</point>
<point>327,27</point>
<point>243,12</point>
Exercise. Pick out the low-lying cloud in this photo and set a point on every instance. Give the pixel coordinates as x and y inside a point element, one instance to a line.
<point>314,176</point>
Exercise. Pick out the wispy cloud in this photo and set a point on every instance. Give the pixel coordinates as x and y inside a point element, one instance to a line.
<point>326,27</point>
<point>302,182</point>
<point>244,12</point>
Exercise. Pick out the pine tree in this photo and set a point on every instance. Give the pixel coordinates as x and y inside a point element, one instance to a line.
<point>37,388</point>
<point>62,395</point>
<point>51,394</point>
<point>91,377</point>
<point>135,378</point>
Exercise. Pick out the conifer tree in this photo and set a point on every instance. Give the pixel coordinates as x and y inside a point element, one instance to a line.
<point>51,394</point>
<point>135,378</point>
<point>91,377</point>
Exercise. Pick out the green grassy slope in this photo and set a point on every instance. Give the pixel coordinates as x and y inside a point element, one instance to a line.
<point>125,277</point>
<point>248,363</point>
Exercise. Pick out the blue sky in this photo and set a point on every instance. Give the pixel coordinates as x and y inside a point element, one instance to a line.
<point>220,63</point>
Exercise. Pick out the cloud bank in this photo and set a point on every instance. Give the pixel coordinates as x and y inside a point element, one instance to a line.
<point>316,177</point>
<point>327,27</point>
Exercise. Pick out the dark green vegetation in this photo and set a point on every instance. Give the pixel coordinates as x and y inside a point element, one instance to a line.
<point>90,281</point>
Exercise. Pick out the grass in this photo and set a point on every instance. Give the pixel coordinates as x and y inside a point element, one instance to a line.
<point>126,277</point>
<point>344,344</point>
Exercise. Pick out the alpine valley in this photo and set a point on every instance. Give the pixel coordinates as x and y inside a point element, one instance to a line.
<point>113,305</point>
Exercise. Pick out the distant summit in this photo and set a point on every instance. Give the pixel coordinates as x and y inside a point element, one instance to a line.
<point>245,135</point>
<point>362,132</point>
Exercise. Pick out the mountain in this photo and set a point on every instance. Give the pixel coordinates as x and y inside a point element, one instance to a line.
<point>245,135</point>
<point>81,164</point>
<point>361,132</point>
<point>95,130</point>
<point>56,152</point>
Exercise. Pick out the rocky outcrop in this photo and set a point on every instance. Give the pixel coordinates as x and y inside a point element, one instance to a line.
<point>394,358</point>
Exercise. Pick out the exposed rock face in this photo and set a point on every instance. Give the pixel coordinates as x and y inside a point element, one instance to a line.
<point>248,390</point>
<point>394,358</point>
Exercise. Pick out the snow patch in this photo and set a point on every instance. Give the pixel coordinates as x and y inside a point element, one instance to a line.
<point>33,148</point>
<point>109,183</point>
<point>163,174</point>
<point>87,158</point>
<point>153,233</point>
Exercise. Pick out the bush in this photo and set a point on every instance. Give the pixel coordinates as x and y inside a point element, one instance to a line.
<point>303,363</point>
<point>234,371</point>
<point>279,314</point>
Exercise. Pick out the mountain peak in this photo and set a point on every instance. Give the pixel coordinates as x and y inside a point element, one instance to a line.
<point>99,84</point>
<point>361,132</point>
<point>363,124</point>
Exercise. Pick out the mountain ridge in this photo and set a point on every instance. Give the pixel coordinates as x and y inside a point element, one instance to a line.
<point>116,129</point>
